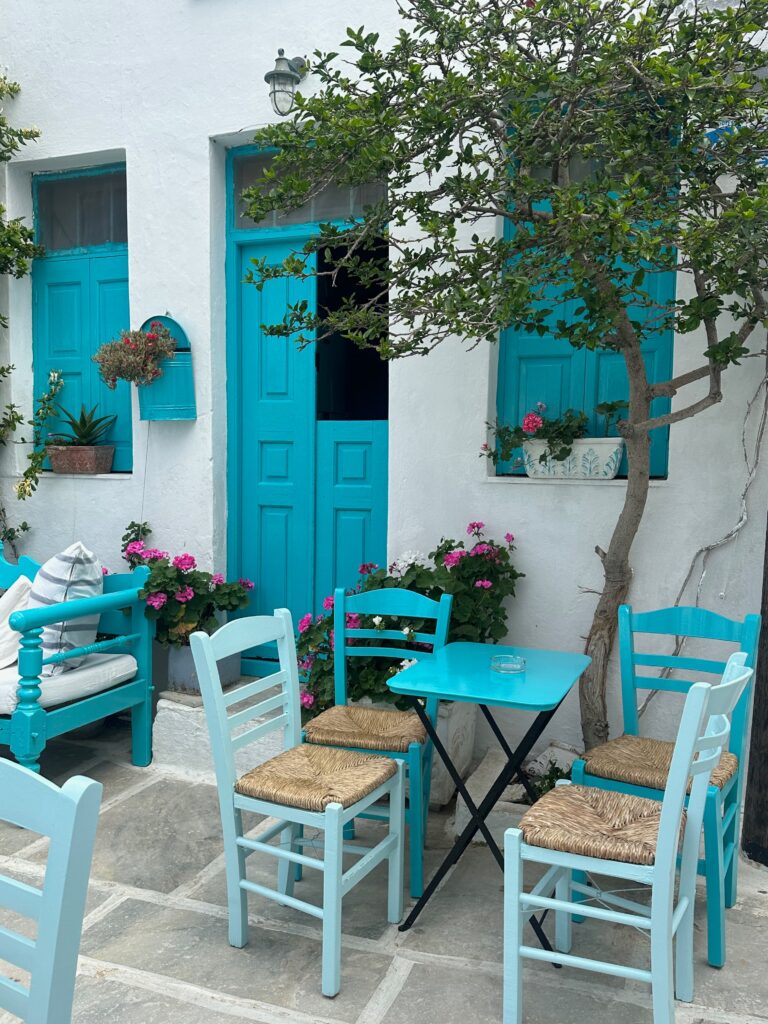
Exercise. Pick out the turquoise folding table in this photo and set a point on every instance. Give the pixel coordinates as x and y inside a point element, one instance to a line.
<point>462,671</point>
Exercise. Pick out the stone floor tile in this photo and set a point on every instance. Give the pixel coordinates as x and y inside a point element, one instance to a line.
<point>452,995</point>
<point>159,837</point>
<point>275,967</point>
<point>98,1000</point>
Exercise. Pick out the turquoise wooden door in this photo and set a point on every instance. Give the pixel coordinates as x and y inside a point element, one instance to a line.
<point>351,500</point>
<point>79,302</point>
<point>308,497</point>
<point>277,442</point>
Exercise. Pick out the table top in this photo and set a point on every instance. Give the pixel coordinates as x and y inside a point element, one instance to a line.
<point>462,671</point>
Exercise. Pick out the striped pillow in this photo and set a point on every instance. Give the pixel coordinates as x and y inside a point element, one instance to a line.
<point>73,574</point>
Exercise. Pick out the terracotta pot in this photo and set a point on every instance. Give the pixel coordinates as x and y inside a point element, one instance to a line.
<point>81,458</point>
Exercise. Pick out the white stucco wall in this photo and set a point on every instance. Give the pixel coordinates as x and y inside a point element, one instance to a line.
<point>166,87</point>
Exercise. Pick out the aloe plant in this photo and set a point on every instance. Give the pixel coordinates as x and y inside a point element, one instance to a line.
<point>87,429</point>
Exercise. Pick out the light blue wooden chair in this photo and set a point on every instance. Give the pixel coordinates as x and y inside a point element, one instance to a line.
<point>69,816</point>
<point>388,731</point>
<point>582,829</point>
<point>301,787</point>
<point>638,765</point>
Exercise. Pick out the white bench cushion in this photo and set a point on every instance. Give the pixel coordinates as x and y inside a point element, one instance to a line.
<point>97,672</point>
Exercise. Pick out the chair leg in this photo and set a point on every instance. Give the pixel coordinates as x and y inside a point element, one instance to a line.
<point>286,874</point>
<point>563,919</point>
<point>234,860</point>
<point>426,761</point>
<point>395,858</point>
<point>141,733</point>
<point>334,842</point>
<point>684,942</point>
<point>349,831</point>
<point>661,952</point>
<point>731,839</point>
<point>512,1012</point>
<point>415,818</point>
<point>298,870</point>
<point>577,779</point>
<point>714,873</point>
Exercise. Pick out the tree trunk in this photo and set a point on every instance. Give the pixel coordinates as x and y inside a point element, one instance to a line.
<point>617,571</point>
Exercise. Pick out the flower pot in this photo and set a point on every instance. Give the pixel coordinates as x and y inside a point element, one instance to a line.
<point>83,459</point>
<point>181,675</point>
<point>591,458</point>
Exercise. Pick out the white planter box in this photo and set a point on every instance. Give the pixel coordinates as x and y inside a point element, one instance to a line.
<point>174,669</point>
<point>591,458</point>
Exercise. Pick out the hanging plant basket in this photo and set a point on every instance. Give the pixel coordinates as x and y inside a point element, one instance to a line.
<point>172,395</point>
<point>591,458</point>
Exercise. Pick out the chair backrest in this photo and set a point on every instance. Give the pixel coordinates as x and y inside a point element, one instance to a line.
<point>408,607</point>
<point>69,816</point>
<point>703,735</point>
<point>231,716</point>
<point>697,623</point>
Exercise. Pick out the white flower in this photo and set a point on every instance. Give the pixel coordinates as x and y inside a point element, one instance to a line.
<point>407,663</point>
<point>377,621</point>
<point>407,632</point>
<point>54,377</point>
<point>23,489</point>
<point>402,564</point>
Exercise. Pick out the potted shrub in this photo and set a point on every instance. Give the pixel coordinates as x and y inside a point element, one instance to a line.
<point>136,356</point>
<point>181,599</point>
<point>478,573</point>
<point>82,450</point>
<point>557,448</point>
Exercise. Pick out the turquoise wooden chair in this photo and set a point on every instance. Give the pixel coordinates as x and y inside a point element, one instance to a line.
<point>69,816</point>
<point>639,765</point>
<point>388,731</point>
<point>126,629</point>
<point>302,786</point>
<point>591,831</point>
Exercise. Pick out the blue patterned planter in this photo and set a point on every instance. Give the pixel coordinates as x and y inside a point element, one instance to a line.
<point>592,458</point>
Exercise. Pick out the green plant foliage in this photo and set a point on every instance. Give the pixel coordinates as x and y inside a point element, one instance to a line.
<point>480,576</point>
<point>86,430</point>
<point>136,356</point>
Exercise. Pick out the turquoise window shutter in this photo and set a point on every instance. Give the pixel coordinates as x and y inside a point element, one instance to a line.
<point>80,301</point>
<point>547,369</point>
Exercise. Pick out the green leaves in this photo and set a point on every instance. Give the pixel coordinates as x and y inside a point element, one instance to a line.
<point>516,173</point>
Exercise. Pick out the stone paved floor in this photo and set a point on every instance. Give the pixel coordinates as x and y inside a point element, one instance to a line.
<point>155,939</point>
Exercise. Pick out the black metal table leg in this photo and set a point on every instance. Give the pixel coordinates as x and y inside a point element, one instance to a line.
<point>522,777</point>
<point>479,814</point>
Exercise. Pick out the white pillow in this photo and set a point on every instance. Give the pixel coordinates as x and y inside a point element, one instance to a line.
<point>13,600</point>
<point>73,574</point>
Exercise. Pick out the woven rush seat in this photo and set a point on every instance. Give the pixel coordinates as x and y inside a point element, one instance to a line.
<point>645,762</point>
<point>370,728</point>
<point>313,777</point>
<point>595,823</point>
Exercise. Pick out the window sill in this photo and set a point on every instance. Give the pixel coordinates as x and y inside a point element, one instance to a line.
<point>560,482</point>
<point>47,474</point>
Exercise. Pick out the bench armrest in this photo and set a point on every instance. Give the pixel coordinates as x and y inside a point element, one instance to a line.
<point>34,618</point>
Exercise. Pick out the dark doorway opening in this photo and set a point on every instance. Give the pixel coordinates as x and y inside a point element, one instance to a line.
<point>352,382</point>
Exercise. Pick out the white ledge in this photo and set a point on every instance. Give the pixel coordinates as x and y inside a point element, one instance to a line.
<point>50,475</point>
<point>566,481</point>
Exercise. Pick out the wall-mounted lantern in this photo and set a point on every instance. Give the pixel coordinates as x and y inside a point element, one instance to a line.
<point>282,81</point>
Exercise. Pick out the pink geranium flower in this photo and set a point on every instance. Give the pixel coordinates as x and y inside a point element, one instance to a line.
<point>305,622</point>
<point>152,554</point>
<point>104,571</point>
<point>509,537</point>
<point>307,699</point>
<point>184,562</point>
<point>367,568</point>
<point>184,595</point>
<point>328,603</point>
<point>157,601</point>
<point>485,584</point>
<point>217,579</point>
<point>532,422</point>
<point>136,547</point>
<point>475,527</point>
<point>353,621</point>
<point>483,549</point>
<point>245,582</point>
<point>454,557</point>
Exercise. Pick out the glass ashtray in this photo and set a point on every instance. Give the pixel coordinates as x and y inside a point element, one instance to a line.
<point>508,663</point>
